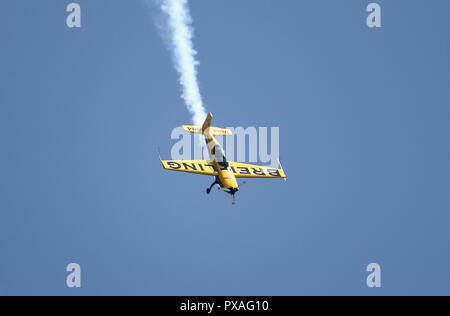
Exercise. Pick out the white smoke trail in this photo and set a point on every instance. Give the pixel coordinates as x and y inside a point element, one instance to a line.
<point>179,23</point>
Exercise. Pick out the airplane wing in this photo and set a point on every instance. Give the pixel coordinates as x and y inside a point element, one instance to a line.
<point>193,166</point>
<point>243,170</point>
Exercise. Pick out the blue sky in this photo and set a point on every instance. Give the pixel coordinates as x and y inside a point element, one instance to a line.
<point>363,116</point>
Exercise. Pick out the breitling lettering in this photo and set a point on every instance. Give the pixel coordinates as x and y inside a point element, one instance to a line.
<point>204,166</point>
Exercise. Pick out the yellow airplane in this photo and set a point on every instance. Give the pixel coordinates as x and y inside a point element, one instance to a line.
<point>225,172</point>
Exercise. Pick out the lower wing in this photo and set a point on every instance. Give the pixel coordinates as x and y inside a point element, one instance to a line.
<point>192,166</point>
<point>243,170</point>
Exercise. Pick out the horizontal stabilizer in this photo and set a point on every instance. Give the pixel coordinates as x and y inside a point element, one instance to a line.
<point>216,131</point>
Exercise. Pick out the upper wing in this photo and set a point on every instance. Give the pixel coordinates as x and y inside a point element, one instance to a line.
<point>192,166</point>
<point>243,170</point>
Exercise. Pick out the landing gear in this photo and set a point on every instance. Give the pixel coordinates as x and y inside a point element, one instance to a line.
<point>230,191</point>
<point>208,190</point>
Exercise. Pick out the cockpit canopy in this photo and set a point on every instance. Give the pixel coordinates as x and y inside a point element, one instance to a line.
<point>219,156</point>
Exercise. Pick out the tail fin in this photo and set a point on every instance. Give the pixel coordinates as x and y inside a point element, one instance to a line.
<point>216,131</point>
<point>207,123</point>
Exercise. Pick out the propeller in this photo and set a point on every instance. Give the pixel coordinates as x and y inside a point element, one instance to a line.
<point>233,199</point>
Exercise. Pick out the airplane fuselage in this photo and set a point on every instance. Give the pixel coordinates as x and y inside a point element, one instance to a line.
<point>227,179</point>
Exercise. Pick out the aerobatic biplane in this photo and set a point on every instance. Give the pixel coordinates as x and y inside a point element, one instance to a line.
<point>225,172</point>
